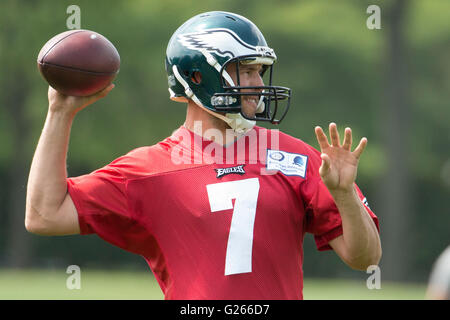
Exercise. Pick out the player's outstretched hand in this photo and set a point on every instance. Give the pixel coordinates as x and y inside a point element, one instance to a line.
<point>339,163</point>
<point>59,102</point>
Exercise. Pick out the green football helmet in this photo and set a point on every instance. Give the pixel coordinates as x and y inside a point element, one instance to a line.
<point>208,43</point>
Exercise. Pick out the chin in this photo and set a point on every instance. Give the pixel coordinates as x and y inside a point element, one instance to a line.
<point>249,114</point>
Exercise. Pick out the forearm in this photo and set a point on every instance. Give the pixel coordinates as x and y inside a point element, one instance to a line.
<point>360,234</point>
<point>47,186</point>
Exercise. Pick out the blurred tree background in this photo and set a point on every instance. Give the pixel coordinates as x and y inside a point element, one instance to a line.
<point>391,85</point>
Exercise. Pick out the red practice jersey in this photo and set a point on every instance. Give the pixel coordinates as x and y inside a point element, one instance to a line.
<point>214,222</point>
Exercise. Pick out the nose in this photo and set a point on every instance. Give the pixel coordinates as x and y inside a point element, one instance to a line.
<point>257,80</point>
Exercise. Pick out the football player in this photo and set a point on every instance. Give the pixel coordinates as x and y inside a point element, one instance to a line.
<point>220,208</point>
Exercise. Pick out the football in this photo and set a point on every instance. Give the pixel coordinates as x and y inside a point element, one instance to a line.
<point>79,62</point>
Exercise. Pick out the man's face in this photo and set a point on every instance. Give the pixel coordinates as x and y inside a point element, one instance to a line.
<point>249,76</point>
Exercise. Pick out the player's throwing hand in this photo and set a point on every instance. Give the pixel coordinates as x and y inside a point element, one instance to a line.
<point>71,104</point>
<point>339,163</point>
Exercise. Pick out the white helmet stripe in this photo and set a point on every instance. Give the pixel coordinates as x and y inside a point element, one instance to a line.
<point>216,65</point>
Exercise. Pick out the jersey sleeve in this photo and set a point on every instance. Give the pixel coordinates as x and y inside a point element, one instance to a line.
<point>102,205</point>
<point>323,219</point>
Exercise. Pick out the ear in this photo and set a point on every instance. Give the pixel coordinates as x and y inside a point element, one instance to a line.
<point>196,77</point>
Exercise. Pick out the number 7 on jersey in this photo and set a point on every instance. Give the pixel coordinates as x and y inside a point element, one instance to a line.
<point>240,239</point>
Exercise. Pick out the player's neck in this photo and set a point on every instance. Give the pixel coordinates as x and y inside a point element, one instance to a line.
<point>204,124</point>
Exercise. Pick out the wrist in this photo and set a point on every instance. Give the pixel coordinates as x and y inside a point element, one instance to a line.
<point>61,113</point>
<point>344,195</point>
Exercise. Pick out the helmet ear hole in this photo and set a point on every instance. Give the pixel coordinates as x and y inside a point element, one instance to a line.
<point>196,77</point>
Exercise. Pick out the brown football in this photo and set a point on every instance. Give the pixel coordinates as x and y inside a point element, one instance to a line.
<point>79,62</point>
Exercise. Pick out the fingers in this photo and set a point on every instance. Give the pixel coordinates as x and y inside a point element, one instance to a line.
<point>102,94</point>
<point>325,166</point>
<point>321,138</point>
<point>97,96</point>
<point>347,144</point>
<point>334,135</point>
<point>360,148</point>
<point>105,91</point>
<point>335,140</point>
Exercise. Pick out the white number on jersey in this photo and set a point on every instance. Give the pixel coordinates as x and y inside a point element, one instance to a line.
<point>240,240</point>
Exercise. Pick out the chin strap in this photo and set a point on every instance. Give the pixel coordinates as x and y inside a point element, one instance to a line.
<point>261,105</point>
<point>236,121</point>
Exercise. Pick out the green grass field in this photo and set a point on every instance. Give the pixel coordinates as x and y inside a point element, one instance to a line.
<point>44,284</point>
